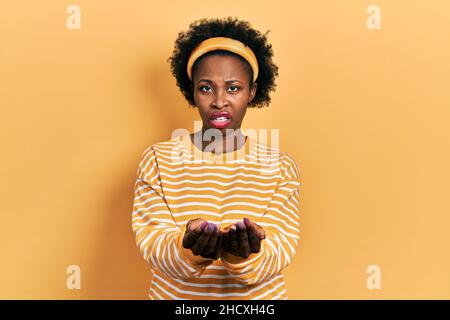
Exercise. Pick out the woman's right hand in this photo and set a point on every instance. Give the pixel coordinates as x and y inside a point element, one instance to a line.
<point>203,238</point>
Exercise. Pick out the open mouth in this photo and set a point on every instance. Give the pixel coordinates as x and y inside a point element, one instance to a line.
<point>220,122</point>
<point>220,119</point>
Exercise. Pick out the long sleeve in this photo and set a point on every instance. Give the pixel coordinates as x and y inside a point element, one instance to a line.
<point>281,222</point>
<point>157,235</point>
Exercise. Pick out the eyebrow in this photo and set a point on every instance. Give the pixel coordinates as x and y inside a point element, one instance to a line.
<point>228,81</point>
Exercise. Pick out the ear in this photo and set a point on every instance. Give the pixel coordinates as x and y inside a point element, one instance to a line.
<point>253,91</point>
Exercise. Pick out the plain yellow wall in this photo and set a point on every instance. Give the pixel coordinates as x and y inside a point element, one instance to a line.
<point>365,114</point>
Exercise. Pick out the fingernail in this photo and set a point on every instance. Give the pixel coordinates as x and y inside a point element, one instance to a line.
<point>203,225</point>
<point>210,227</point>
<point>240,225</point>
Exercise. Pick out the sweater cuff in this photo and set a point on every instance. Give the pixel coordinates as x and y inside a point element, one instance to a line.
<point>229,258</point>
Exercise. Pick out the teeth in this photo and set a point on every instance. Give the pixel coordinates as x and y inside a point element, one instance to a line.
<point>221,119</point>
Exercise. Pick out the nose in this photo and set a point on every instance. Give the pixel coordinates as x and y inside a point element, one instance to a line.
<point>220,100</point>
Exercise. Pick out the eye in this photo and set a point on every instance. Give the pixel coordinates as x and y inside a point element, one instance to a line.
<point>201,88</point>
<point>236,87</point>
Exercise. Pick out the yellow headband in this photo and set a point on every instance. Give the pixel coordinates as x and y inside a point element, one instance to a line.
<point>224,43</point>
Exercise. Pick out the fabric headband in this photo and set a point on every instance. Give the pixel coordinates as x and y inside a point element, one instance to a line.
<point>224,43</point>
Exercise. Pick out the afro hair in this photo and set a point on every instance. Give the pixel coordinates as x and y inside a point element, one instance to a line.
<point>203,29</point>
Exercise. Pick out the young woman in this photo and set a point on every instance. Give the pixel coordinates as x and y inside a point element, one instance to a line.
<point>218,229</point>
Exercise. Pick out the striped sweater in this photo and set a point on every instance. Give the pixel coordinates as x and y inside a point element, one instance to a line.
<point>177,182</point>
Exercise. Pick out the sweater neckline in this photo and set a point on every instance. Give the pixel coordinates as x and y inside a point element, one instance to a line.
<point>191,148</point>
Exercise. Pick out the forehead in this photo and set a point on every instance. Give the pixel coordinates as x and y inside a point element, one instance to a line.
<point>218,67</point>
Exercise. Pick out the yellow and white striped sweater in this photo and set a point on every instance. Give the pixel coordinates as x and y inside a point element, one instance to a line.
<point>174,185</point>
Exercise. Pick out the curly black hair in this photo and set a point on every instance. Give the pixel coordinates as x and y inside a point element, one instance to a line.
<point>227,27</point>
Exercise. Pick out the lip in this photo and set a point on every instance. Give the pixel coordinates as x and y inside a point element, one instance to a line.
<point>218,114</point>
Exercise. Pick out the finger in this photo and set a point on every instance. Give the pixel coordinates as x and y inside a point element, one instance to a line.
<point>191,235</point>
<point>219,241</point>
<point>197,228</point>
<point>225,237</point>
<point>259,230</point>
<point>253,236</point>
<point>244,247</point>
<point>263,234</point>
<point>194,223</point>
<point>202,240</point>
<point>218,246</point>
<point>234,243</point>
<point>212,242</point>
<point>225,245</point>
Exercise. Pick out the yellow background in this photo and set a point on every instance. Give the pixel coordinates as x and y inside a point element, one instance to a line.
<point>365,114</point>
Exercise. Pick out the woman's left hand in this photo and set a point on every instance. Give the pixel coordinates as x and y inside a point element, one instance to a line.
<point>243,238</point>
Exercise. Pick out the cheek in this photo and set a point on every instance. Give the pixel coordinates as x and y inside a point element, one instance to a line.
<point>241,115</point>
<point>202,99</point>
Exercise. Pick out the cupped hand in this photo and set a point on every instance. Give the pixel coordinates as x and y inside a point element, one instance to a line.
<point>242,238</point>
<point>203,238</point>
